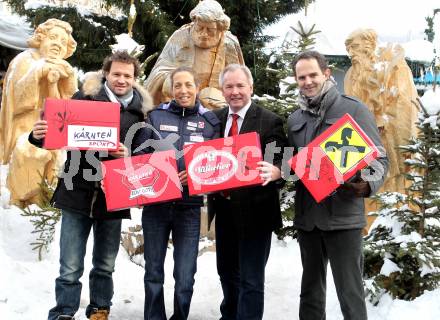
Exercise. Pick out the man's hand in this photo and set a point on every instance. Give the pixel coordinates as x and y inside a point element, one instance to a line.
<point>39,130</point>
<point>183,177</point>
<point>121,152</point>
<point>102,186</point>
<point>360,189</point>
<point>268,172</point>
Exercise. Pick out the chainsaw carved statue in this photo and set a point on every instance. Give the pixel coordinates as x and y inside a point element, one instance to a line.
<point>32,76</point>
<point>205,45</point>
<point>381,78</point>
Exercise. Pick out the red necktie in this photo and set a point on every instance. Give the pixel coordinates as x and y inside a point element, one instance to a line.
<point>233,131</point>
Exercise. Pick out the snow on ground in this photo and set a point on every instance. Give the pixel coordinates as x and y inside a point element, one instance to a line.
<point>27,285</point>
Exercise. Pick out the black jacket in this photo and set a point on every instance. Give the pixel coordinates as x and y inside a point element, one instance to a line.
<point>257,208</point>
<point>190,125</point>
<point>83,196</point>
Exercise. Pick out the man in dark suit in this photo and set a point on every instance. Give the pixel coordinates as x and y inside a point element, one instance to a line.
<point>246,217</point>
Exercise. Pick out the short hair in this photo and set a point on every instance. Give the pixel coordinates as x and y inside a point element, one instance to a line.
<point>364,34</point>
<point>184,69</point>
<point>124,57</point>
<point>310,55</point>
<point>233,67</point>
<point>41,32</point>
<point>210,11</point>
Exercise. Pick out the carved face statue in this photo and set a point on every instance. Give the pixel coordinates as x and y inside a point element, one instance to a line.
<point>205,34</point>
<point>54,44</point>
<point>360,50</point>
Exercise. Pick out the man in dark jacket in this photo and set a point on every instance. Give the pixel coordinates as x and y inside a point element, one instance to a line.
<point>246,217</point>
<point>81,199</point>
<point>172,126</point>
<point>332,229</point>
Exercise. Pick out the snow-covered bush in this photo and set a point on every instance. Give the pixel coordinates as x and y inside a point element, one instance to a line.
<point>402,252</point>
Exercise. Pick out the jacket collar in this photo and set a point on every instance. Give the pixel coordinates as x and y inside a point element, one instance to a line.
<point>175,108</point>
<point>93,86</point>
<point>249,122</point>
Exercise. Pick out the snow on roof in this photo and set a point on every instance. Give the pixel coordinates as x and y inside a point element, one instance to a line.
<point>393,20</point>
<point>419,50</point>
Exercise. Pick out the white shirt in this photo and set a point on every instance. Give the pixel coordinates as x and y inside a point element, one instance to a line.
<point>241,114</point>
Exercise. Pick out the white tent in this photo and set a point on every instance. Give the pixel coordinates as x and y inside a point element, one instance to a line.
<point>14,31</point>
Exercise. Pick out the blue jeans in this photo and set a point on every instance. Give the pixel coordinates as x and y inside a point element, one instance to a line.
<point>241,263</point>
<point>75,230</point>
<point>184,224</point>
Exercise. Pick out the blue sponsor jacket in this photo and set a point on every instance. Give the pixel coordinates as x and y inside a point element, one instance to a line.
<point>171,127</point>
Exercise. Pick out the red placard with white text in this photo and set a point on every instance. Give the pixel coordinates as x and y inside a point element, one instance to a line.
<point>222,164</point>
<point>81,124</point>
<point>141,180</point>
<point>333,157</point>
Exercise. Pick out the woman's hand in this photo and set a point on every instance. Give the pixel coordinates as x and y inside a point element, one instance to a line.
<point>122,151</point>
<point>183,177</point>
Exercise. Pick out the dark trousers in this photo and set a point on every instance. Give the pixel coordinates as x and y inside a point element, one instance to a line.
<point>184,224</point>
<point>343,248</point>
<point>241,263</point>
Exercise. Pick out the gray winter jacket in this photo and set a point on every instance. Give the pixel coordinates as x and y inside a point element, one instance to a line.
<point>341,210</point>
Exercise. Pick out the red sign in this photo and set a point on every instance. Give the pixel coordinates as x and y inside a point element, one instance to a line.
<point>333,157</point>
<point>222,164</point>
<point>81,124</point>
<point>140,180</point>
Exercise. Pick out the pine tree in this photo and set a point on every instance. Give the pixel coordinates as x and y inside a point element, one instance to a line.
<point>430,35</point>
<point>284,102</point>
<point>43,219</point>
<point>156,20</point>
<point>402,254</point>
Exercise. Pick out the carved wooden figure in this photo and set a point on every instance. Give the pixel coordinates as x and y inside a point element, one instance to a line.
<point>205,45</point>
<point>32,76</point>
<point>381,78</point>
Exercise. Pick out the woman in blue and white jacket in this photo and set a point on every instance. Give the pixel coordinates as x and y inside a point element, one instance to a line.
<point>190,122</point>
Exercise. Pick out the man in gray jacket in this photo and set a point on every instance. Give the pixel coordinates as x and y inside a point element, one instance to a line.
<point>332,229</point>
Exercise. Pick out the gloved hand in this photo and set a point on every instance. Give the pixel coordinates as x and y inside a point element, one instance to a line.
<point>360,189</point>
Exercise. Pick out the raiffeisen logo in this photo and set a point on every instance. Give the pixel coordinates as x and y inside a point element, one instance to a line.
<point>213,167</point>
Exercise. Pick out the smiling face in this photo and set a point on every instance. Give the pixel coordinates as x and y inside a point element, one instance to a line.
<point>120,78</point>
<point>184,89</point>
<point>54,43</point>
<point>205,34</point>
<point>310,77</point>
<point>236,89</point>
